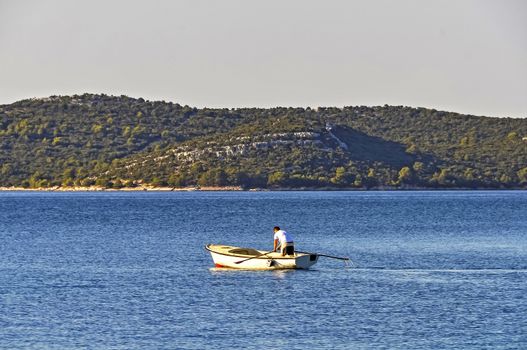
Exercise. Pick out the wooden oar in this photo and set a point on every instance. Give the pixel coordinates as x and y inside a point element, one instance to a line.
<point>325,255</point>
<point>257,256</point>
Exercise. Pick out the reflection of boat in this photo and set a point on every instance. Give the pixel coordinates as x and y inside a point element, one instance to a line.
<point>252,259</point>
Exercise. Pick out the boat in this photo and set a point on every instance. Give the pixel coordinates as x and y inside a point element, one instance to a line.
<point>225,256</point>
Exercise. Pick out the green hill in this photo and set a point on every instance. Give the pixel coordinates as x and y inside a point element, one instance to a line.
<point>120,141</point>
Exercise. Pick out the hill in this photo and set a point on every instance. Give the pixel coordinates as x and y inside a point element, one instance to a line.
<point>121,141</point>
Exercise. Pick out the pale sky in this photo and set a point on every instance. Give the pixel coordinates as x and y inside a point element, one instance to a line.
<point>467,56</point>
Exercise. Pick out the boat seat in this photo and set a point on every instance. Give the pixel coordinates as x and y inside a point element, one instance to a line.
<point>245,251</point>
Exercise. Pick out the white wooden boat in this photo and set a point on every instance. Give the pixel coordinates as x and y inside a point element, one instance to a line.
<point>252,259</point>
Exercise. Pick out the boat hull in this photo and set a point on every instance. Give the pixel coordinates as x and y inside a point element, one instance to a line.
<point>251,259</point>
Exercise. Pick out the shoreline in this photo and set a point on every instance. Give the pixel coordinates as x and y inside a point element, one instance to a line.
<point>238,188</point>
<point>124,189</point>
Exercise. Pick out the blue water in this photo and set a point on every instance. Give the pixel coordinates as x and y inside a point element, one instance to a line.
<point>434,270</point>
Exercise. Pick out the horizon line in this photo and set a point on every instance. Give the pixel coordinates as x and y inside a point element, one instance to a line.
<point>269,106</point>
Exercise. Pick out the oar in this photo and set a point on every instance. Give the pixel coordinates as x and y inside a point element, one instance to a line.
<point>257,256</point>
<point>325,255</point>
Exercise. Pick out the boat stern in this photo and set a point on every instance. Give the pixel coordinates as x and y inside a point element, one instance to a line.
<point>305,261</point>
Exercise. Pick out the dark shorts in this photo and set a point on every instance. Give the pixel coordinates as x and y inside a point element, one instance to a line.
<point>289,249</point>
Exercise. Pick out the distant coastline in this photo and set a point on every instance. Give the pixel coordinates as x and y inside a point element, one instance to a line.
<point>239,188</point>
<point>124,189</point>
<point>98,142</point>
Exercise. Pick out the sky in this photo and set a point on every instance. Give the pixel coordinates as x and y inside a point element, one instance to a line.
<point>466,56</point>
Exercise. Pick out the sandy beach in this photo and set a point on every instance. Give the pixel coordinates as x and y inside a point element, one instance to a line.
<point>124,189</point>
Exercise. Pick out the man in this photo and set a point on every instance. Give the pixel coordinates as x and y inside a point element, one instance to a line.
<point>286,241</point>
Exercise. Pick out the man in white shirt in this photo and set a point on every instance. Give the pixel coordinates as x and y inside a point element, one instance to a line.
<point>286,241</point>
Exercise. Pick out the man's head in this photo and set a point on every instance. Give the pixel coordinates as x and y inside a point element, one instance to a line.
<point>276,228</point>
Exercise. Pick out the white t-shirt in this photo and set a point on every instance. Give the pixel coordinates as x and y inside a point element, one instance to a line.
<point>283,237</point>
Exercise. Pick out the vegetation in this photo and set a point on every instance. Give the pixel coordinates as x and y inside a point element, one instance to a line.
<point>108,141</point>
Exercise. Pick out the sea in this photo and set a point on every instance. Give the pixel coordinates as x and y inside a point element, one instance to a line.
<point>128,270</point>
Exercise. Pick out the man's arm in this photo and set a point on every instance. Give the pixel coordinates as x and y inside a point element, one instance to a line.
<point>275,243</point>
